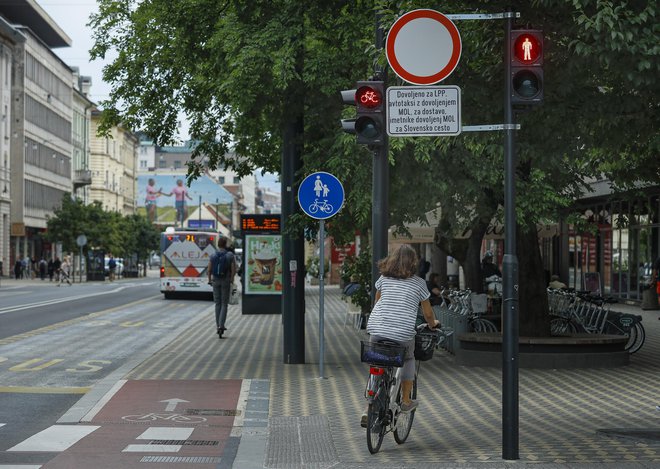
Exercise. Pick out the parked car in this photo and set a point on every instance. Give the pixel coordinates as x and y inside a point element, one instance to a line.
<point>119,270</point>
<point>154,260</point>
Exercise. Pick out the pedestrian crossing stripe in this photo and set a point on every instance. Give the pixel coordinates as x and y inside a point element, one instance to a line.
<point>55,438</point>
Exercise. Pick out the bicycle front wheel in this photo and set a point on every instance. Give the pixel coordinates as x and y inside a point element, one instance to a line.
<point>639,337</point>
<point>375,425</point>
<point>405,419</point>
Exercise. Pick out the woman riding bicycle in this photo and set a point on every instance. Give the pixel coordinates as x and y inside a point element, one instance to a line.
<point>398,297</point>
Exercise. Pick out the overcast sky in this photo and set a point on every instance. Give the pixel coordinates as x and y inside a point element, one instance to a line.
<point>72,16</point>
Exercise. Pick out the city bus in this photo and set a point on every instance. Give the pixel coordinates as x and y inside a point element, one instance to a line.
<point>184,258</point>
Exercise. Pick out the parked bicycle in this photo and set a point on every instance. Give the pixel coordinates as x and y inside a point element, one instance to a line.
<point>581,312</point>
<point>383,390</point>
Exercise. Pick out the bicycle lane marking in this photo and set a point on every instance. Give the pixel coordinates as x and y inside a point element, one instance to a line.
<point>141,420</point>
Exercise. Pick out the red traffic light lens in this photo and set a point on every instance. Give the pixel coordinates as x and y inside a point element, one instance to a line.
<point>527,48</point>
<point>368,97</point>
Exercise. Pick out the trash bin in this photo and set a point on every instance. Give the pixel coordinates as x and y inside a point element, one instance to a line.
<point>650,298</point>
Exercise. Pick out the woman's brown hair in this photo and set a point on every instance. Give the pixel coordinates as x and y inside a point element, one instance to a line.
<point>402,263</point>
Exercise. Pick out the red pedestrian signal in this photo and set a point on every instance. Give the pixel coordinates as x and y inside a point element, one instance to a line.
<point>526,67</point>
<point>527,48</point>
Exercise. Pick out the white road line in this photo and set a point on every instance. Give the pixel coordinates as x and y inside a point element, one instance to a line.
<point>19,466</point>
<point>166,433</point>
<point>11,309</point>
<point>55,438</point>
<point>152,449</point>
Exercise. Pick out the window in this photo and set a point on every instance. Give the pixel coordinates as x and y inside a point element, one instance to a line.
<point>221,179</point>
<point>237,180</point>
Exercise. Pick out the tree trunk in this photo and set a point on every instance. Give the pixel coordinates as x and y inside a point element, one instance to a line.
<point>467,251</point>
<point>533,295</point>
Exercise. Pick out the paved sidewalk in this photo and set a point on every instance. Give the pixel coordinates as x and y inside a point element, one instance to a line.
<point>568,418</point>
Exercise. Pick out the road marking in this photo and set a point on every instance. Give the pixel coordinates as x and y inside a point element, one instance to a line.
<point>19,466</point>
<point>68,322</point>
<point>152,449</point>
<point>11,309</point>
<point>25,366</point>
<point>166,433</point>
<point>55,438</point>
<point>43,390</point>
<point>172,403</point>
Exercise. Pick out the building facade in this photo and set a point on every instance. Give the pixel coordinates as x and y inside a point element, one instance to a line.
<point>41,110</point>
<point>113,165</point>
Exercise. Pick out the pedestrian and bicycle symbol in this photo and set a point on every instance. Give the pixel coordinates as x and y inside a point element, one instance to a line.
<point>321,195</point>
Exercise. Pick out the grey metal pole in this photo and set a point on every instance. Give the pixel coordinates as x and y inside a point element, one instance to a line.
<point>510,329</point>
<point>321,297</point>
<point>380,185</point>
<point>80,265</point>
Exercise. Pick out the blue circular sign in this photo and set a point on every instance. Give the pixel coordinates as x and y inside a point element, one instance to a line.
<point>321,195</point>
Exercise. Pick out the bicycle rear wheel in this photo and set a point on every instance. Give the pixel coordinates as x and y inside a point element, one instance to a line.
<point>405,419</point>
<point>375,424</point>
<point>614,329</point>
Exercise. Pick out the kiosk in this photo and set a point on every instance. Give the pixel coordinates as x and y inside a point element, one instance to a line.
<point>262,264</point>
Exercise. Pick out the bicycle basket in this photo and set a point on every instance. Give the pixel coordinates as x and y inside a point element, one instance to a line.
<point>425,342</point>
<point>382,354</point>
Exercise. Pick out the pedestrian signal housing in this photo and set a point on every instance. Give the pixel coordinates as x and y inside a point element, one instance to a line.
<point>526,67</point>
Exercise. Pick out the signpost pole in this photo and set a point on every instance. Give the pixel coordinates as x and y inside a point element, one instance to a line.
<point>321,297</point>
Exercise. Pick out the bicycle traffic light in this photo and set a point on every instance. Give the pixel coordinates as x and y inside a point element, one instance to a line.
<point>369,124</point>
<point>526,67</point>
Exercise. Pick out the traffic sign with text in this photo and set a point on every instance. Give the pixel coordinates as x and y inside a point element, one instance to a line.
<point>417,111</point>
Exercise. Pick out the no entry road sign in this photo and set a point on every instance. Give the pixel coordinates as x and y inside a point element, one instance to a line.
<point>423,47</point>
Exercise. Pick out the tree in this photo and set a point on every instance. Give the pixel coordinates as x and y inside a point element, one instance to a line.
<point>231,70</point>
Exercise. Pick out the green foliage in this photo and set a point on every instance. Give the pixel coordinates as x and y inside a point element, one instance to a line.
<point>313,267</point>
<point>357,269</point>
<point>109,231</point>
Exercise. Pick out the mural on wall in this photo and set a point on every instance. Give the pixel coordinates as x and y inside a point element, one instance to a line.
<point>166,199</point>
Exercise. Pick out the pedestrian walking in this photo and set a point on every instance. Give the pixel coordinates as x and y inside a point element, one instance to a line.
<point>65,270</point>
<point>221,271</point>
<point>112,268</point>
<point>43,268</point>
<point>51,269</point>
<point>57,263</point>
<point>18,268</point>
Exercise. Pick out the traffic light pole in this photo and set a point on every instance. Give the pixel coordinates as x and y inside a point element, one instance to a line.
<point>380,185</point>
<point>510,328</point>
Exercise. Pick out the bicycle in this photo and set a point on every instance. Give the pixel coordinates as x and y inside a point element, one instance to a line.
<point>580,311</point>
<point>324,207</point>
<point>383,389</point>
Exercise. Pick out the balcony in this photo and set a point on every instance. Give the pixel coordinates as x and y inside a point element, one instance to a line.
<point>82,177</point>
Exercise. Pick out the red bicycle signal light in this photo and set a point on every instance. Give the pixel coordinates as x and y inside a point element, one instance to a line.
<point>368,97</point>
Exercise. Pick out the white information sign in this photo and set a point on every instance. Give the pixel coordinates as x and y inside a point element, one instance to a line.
<point>417,111</point>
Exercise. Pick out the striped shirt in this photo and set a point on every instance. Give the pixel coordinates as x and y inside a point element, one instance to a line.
<point>395,314</point>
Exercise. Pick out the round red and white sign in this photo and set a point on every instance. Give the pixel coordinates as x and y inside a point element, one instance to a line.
<point>423,47</point>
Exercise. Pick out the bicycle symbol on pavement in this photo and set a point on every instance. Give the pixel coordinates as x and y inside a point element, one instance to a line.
<point>151,417</point>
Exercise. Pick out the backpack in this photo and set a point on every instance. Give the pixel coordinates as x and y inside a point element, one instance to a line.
<point>220,264</point>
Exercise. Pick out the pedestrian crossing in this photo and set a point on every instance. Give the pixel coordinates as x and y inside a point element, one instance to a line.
<point>55,438</point>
